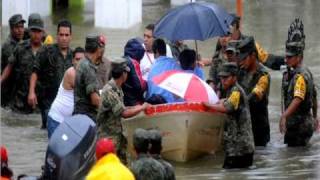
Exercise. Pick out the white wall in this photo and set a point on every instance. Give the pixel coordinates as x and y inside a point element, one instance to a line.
<point>180,2</point>
<point>24,7</point>
<point>117,13</point>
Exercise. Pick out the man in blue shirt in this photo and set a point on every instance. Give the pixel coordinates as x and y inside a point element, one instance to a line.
<point>161,65</point>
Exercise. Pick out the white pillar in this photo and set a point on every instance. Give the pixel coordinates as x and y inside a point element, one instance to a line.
<point>24,7</point>
<point>43,7</point>
<point>180,2</point>
<point>117,13</point>
<point>11,7</point>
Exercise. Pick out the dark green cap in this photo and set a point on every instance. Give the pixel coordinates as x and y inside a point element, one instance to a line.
<point>294,48</point>
<point>15,19</point>
<point>246,46</point>
<point>232,46</point>
<point>119,65</point>
<point>228,69</point>
<point>35,22</point>
<point>155,135</point>
<point>141,138</point>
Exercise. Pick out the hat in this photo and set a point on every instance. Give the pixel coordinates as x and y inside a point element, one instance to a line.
<point>35,22</point>
<point>228,69</point>
<point>155,135</point>
<point>93,41</point>
<point>4,154</point>
<point>15,19</point>
<point>232,46</point>
<point>103,147</point>
<point>119,65</point>
<point>295,43</point>
<point>245,47</point>
<point>293,48</point>
<point>141,139</point>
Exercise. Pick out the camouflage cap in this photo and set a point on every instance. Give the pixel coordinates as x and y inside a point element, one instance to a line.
<point>155,135</point>
<point>228,69</point>
<point>141,138</point>
<point>94,41</point>
<point>119,65</point>
<point>245,47</point>
<point>35,22</point>
<point>15,19</point>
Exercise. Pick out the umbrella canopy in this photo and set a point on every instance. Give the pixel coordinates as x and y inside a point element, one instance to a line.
<point>187,86</point>
<point>194,21</point>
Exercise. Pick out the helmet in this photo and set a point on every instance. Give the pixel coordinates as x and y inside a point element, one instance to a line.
<point>296,39</point>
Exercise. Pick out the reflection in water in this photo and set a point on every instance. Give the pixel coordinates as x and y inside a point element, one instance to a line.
<point>266,20</point>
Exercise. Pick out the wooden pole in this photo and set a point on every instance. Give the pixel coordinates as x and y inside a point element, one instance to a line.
<point>240,11</point>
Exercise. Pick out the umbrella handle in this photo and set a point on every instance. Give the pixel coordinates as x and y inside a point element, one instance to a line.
<point>196,44</point>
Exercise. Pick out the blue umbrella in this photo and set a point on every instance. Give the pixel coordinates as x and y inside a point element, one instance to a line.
<point>194,21</point>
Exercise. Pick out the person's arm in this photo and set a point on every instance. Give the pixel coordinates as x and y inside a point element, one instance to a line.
<point>69,78</point>
<point>271,61</point>
<point>299,95</point>
<point>134,110</point>
<point>6,73</point>
<point>289,111</point>
<point>95,99</point>
<point>218,107</point>
<point>32,97</point>
<point>230,104</point>
<point>260,89</point>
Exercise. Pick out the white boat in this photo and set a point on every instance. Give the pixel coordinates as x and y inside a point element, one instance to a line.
<point>188,129</point>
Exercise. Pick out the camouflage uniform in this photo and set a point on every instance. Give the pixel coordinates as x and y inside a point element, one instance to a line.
<point>257,87</point>
<point>109,117</point>
<point>169,171</point>
<point>50,68</point>
<point>85,83</point>
<point>238,135</point>
<point>147,168</point>
<point>176,50</point>
<point>300,123</point>
<point>6,88</point>
<point>22,61</point>
<point>7,49</point>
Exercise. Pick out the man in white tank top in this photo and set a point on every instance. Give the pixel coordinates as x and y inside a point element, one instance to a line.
<point>62,106</point>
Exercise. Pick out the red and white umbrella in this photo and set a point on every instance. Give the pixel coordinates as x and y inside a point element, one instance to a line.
<point>187,86</point>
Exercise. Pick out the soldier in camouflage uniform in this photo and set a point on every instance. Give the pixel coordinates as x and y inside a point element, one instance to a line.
<point>270,60</point>
<point>53,60</point>
<point>112,108</point>
<point>16,23</point>
<point>155,140</point>
<point>299,93</point>
<point>145,167</point>
<point>21,62</point>
<point>256,83</point>
<point>230,55</point>
<point>238,136</point>
<point>86,91</point>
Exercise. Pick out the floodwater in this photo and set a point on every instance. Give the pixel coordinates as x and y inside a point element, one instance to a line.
<point>266,20</point>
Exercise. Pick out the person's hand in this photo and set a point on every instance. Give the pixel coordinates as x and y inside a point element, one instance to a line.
<point>145,105</point>
<point>282,125</point>
<point>207,105</point>
<point>32,100</point>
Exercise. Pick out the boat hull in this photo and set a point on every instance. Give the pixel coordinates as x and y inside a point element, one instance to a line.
<point>186,134</point>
